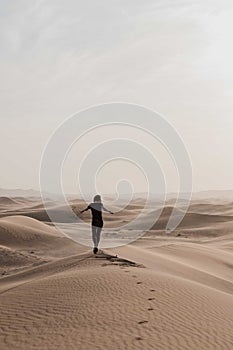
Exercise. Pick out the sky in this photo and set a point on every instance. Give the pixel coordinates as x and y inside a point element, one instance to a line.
<point>58,57</point>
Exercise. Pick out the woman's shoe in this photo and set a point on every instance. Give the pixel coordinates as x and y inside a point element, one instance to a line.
<point>95,250</point>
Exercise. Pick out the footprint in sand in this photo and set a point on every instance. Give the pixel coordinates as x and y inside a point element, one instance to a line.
<point>138,338</point>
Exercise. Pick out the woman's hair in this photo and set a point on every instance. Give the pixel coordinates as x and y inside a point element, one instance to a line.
<point>97,198</point>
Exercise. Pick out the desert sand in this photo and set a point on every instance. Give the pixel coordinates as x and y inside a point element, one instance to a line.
<point>164,291</point>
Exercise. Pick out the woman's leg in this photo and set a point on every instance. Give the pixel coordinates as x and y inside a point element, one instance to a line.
<point>94,236</point>
<point>98,232</point>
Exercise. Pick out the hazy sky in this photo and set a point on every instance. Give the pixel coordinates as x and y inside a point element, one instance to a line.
<point>173,56</point>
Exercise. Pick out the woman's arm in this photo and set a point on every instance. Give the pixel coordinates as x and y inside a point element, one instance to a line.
<point>87,208</point>
<point>108,211</point>
<point>75,210</point>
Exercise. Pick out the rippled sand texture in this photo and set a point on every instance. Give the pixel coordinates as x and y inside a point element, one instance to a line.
<point>162,292</point>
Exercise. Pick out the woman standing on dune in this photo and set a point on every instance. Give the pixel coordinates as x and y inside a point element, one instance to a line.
<point>96,208</point>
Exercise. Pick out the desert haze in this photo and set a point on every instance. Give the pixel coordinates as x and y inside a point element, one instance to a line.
<point>164,291</point>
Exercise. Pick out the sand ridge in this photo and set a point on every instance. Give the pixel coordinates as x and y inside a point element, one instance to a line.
<point>161,292</point>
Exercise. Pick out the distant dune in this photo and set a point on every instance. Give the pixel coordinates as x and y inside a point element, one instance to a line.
<point>18,192</point>
<point>191,219</point>
<point>210,208</point>
<point>7,201</point>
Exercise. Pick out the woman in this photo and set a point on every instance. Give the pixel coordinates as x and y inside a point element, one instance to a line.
<point>97,221</point>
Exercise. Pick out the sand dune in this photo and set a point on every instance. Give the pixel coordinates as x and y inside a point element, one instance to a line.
<point>120,307</point>
<point>205,265</point>
<point>198,215</point>
<point>29,235</point>
<point>210,208</point>
<point>19,230</point>
<point>7,201</point>
<point>191,219</point>
<point>55,293</point>
<point>14,260</point>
